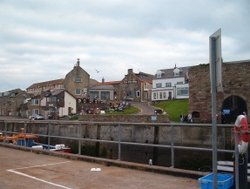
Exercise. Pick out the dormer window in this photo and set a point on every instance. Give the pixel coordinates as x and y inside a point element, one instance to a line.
<point>158,74</point>
<point>177,72</point>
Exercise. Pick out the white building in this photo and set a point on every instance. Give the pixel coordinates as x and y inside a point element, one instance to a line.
<point>60,101</point>
<point>171,84</point>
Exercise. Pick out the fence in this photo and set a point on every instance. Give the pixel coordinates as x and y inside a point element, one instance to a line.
<point>156,141</point>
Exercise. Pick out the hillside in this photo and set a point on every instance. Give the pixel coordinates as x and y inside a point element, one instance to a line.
<point>174,108</point>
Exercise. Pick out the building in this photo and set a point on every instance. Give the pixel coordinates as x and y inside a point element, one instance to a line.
<point>77,81</point>
<point>135,86</point>
<point>38,88</point>
<point>11,101</point>
<point>59,103</point>
<point>105,91</point>
<point>231,101</point>
<point>171,84</point>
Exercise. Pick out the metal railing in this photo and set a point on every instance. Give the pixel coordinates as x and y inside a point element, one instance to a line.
<point>5,129</point>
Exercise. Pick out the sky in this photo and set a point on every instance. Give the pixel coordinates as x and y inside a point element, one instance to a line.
<point>40,40</point>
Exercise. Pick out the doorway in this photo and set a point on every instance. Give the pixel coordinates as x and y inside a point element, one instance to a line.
<point>231,108</point>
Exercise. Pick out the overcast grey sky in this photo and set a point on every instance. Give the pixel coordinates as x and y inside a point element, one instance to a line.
<point>42,39</point>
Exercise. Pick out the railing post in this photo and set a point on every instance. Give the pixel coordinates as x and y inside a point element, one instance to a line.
<point>119,141</point>
<point>156,141</point>
<point>79,141</point>
<point>236,160</point>
<point>98,136</point>
<point>48,134</point>
<point>172,146</point>
<point>25,131</point>
<point>5,130</point>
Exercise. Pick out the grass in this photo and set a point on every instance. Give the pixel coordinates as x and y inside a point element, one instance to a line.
<point>126,111</point>
<point>174,108</point>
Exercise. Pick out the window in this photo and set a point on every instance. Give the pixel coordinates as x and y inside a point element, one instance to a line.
<point>51,99</point>
<point>164,95</point>
<point>35,102</point>
<point>137,93</point>
<point>168,84</point>
<point>155,95</point>
<point>78,80</point>
<point>158,85</point>
<point>94,94</point>
<point>78,91</point>
<point>158,74</point>
<point>160,95</point>
<point>105,95</point>
<point>182,91</point>
<point>179,83</point>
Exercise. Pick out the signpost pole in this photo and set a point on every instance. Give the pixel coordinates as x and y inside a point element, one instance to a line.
<point>216,85</point>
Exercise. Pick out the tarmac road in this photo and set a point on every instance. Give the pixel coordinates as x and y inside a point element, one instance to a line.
<point>21,169</point>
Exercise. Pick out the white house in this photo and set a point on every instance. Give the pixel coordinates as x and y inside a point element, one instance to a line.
<point>60,101</point>
<point>170,84</point>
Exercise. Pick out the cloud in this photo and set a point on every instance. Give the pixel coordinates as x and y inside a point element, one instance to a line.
<point>41,40</point>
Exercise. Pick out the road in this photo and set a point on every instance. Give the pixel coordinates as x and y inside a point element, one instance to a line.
<point>21,169</point>
<point>145,108</point>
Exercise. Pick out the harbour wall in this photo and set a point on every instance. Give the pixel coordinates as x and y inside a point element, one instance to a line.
<point>109,133</point>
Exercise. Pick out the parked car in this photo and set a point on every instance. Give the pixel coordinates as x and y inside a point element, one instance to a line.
<point>36,117</point>
<point>158,111</point>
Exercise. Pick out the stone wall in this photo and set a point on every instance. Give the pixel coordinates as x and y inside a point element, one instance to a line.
<point>235,79</point>
<point>125,118</point>
<point>180,135</point>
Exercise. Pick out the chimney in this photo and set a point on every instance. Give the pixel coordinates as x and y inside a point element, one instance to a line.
<point>103,80</point>
<point>78,62</point>
<point>130,71</point>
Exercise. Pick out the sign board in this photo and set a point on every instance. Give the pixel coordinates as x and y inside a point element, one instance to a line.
<point>216,59</point>
<point>153,118</point>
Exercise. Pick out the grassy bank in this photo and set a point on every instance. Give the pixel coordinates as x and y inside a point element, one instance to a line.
<point>174,108</point>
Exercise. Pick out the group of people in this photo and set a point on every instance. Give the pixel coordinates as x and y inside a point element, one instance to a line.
<point>186,118</point>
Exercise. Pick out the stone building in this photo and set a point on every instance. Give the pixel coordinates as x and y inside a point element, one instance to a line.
<point>233,100</point>
<point>11,101</point>
<point>75,85</point>
<point>135,86</point>
<point>38,88</point>
<point>77,81</point>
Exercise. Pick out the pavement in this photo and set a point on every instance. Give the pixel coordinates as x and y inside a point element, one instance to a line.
<point>145,108</point>
<point>24,169</point>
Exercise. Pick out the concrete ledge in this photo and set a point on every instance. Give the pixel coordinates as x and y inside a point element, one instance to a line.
<point>111,162</point>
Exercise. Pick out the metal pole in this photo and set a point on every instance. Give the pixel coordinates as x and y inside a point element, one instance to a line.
<point>79,141</point>
<point>25,131</point>
<point>214,119</point>
<point>236,161</point>
<point>119,142</point>
<point>48,136</point>
<point>5,130</point>
<point>172,146</point>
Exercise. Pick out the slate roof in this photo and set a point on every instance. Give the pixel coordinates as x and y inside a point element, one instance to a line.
<point>169,73</point>
<point>46,83</point>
